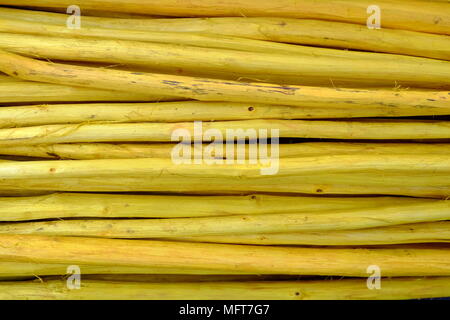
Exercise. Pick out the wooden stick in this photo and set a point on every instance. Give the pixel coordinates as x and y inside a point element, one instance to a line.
<point>213,90</point>
<point>163,132</point>
<point>225,33</point>
<point>78,205</point>
<point>34,115</point>
<point>407,71</point>
<point>401,288</point>
<point>414,175</point>
<point>349,219</point>
<point>248,259</point>
<point>92,151</point>
<point>31,92</point>
<point>408,233</point>
<point>414,15</point>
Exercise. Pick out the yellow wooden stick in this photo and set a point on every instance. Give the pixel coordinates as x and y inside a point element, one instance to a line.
<point>214,90</point>
<point>299,31</point>
<point>408,71</point>
<point>413,15</point>
<point>34,92</point>
<point>415,175</point>
<point>163,132</point>
<point>180,111</point>
<point>92,151</point>
<point>247,259</point>
<point>77,205</point>
<point>408,233</point>
<point>392,288</point>
<point>301,221</point>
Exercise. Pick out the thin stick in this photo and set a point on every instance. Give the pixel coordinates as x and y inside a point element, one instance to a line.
<point>349,219</point>
<point>408,71</point>
<point>34,115</point>
<point>163,132</point>
<point>416,175</point>
<point>29,92</point>
<point>77,205</point>
<point>213,90</point>
<point>408,233</point>
<point>92,151</point>
<point>224,32</point>
<point>249,259</point>
<point>413,15</point>
<point>407,288</point>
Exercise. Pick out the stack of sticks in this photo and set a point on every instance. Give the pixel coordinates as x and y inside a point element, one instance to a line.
<point>356,209</point>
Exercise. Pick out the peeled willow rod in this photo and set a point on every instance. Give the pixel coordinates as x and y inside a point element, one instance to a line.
<point>190,39</point>
<point>32,92</point>
<point>289,168</point>
<point>33,115</point>
<point>413,175</point>
<point>226,33</point>
<point>213,90</point>
<point>402,288</point>
<point>413,15</point>
<point>92,151</point>
<point>429,188</point>
<point>246,34</point>
<point>248,259</point>
<point>31,269</point>
<point>407,233</point>
<point>228,130</point>
<point>416,71</point>
<point>78,205</point>
<point>343,219</point>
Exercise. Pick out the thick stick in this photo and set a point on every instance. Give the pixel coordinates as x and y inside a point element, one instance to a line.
<point>77,205</point>
<point>416,175</point>
<point>183,111</point>
<point>407,71</point>
<point>164,132</point>
<point>349,219</point>
<point>413,15</point>
<point>407,288</point>
<point>408,233</point>
<point>196,39</point>
<point>248,259</point>
<point>92,151</point>
<point>29,92</point>
<point>299,31</point>
<point>213,90</point>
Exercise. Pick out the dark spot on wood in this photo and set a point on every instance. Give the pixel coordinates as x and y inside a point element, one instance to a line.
<point>297,293</point>
<point>319,190</point>
<point>431,100</point>
<point>51,154</point>
<point>251,108</point>
<point>15,73</point>
<point>52,169</point>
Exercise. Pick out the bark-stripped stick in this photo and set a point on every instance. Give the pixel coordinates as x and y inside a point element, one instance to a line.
<point>350,219</point>
<point>407,71</point>
<point>408,233</point>
<point>214,90</point>
<point>433,17</point>
<point>78,205</point>
<point>248,259</point>
<point>406,288</point>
